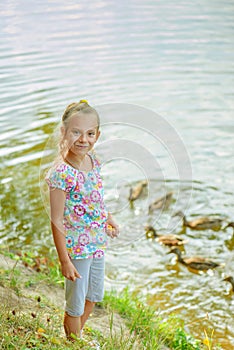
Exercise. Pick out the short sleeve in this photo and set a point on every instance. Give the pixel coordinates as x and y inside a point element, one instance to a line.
<point>96,161</point>
<point>59,177</point>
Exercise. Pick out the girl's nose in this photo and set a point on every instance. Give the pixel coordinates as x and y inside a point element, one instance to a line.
<point>82,138</point>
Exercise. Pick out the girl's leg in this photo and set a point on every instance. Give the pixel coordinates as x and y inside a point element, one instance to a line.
<point>75,293</point>
<point>95,287</point>
<point>87,311</point>
<point>72,325</point>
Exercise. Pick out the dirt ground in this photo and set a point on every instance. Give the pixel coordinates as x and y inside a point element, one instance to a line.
<point>27,299</point>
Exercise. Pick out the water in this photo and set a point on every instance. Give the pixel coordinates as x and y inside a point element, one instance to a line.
<point>173,59</point>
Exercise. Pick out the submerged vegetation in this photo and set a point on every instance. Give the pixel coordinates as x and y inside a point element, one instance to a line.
<point>31,315</point>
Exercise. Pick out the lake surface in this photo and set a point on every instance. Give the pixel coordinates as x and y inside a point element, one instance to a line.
<point>161,75</point>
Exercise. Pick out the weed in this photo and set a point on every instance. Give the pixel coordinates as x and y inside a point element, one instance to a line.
<point>37,324</point>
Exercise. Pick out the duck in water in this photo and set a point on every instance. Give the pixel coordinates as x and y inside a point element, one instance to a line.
<point>136,191</point>
<point>194,262</point>
<point>202,223</point>
<point>161,203</point>
<point>231,280</point>
<point>231,224</point>
<point>169,240</point>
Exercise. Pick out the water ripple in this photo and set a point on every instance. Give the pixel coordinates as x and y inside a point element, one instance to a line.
<point>175,58</point>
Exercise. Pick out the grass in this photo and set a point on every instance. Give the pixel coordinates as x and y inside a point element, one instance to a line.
<point>34,322</point>
<point>144,323</point>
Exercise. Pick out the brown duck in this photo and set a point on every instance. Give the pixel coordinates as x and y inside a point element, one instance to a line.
<point>161,203</point>
<point>137,190</point>
<point>169,240</point>
<point>202,223</point>
<point>194,262</point>
<point>231,224</point>
<point>231,280</point>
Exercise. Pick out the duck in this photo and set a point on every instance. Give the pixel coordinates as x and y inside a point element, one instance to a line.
<point>231,280</point>
<point>169,240</point>
<point>161,203</point>
<point>194,262</point>
<point>231,224</point>
<point>136,191</point>
<point>202,223</point>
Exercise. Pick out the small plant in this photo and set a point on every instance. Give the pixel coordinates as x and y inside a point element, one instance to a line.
<point>208,340</point>
<point>149,328</point>
<point>35,323</point>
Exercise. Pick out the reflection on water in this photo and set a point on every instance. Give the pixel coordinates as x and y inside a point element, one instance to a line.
<point>173,58</point>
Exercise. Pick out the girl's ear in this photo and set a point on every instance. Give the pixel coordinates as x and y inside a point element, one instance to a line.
<point>98,134</point>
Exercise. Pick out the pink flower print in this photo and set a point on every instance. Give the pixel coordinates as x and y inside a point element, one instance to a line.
<point>68,225</point>
<point>74,217</point>
<point>61,168</point>
<point>95,196</point>
<point>103,216</point>
<point>78,250</point>
<point>69,180</point>
<point>83,239</point>
<point>99,184</point>
<point>95,224</point>
<point>85,200</point>
<point>102,206</point>
<point>97,163</point>
<point>98,254</point>
<point>81,177</point>
<point>86,229</point>
<point>92,178</point>
<point>69,241</point>
<point>79,210</point>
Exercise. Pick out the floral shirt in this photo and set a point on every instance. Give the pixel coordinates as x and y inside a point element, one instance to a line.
<point>85,213</point>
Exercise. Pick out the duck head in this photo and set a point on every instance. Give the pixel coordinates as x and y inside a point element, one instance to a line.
<point>231,280</point>
<point>175,250</point>
<point>150,232</point>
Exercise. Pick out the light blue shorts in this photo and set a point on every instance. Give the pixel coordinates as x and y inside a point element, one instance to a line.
<point>89,287</point>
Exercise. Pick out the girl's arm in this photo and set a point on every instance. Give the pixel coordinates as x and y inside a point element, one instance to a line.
<point>57,201</point>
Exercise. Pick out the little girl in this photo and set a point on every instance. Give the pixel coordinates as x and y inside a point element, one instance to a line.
<point>79,220</point>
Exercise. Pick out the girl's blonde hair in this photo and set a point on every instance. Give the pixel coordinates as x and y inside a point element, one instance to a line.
<point>76,108</point>
<point>81,107</point>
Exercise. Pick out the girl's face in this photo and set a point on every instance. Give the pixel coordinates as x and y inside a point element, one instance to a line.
<point>81,133</point>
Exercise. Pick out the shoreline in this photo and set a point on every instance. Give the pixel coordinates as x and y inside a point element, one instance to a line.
<point>32,297</point>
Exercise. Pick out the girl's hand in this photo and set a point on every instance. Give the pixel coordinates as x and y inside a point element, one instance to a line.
<point>112,229</point>
<point>69,271</point>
